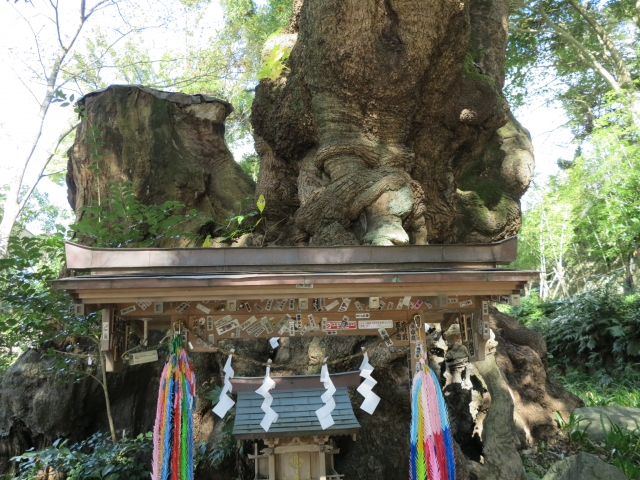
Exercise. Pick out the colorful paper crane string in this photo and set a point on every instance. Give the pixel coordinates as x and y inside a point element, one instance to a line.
<point>431,456</point>
<point>173,430</point>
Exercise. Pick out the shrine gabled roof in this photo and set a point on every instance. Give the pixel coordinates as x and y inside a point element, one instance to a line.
<point>190,261</point>
<point>180,274</point>
<point>296,411</point>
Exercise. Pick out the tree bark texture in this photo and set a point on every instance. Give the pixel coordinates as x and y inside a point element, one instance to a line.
<point>170,145</point>
<point>393,121</point>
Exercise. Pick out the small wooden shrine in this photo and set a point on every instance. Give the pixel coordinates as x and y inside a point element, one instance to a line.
<point>224,293</point>
<point>297,448</point>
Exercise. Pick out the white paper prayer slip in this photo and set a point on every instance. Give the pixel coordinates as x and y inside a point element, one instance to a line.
<point>324,413</point>
<point>371,400</point>
<point>225,402</point>
<point>270,414</point>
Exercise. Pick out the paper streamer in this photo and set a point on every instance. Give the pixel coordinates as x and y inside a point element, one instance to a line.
<point>274,342</point>
<point>270,414</point>
<point>371,400</point>
<point>324,413</point>
<point>225,402</point>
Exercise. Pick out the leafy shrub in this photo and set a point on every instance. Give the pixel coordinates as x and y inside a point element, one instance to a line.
<point>597,329</point>
<point>95,457</point>
<point>603,389</point>
<point>30,311</point>
<point>122,221</point>
<point>274,63</point>
<point>621,447</point>
<point>224,445</point>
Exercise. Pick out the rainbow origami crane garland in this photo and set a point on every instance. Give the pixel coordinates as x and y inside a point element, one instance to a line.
<point>173,431</point>
<point>431,455</point>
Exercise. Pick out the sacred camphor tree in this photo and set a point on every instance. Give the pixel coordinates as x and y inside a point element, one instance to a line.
<point>385,125</point>
<point>390,127</point>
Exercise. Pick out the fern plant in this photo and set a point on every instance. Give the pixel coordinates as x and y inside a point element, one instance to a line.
<point>597,329</point>
<point>121,220</point>
<point>96,457</point>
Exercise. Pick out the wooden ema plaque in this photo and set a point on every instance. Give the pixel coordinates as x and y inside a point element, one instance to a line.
<point>397,320</point>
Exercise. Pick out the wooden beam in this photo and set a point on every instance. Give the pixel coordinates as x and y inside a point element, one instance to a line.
<point>113,363</point>
<point>354,305</point>
<point>448,320</point>
<point>135,295</point>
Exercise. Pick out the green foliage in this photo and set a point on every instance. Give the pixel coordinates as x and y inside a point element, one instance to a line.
<point>595,329</point>
<point>572,428</point>
<point>250,165</point>
<point>47,216</point>
<point>224,65</point>
<point>224,445</point>
<point>93,458</point>
<point>556,53</point>
<point>273,64</point>
<point>195,3</point>
<point>122,221</point>
<point>247,27</point>
<point>602,389</point>
<point>238,225</point>
<point>584,229</point>
<point>30,311</point>
<point>621,447</point>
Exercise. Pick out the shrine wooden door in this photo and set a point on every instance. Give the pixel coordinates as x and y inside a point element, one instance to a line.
<point>298,466</point>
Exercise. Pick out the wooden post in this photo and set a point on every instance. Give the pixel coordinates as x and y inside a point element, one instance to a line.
<point>272,466</point>
<point>478,329</point>
<point>422,338</point>
<point>322,467</point>
<point>416,332</point>
<point>105,336</point>
<point>255,459</point>
<point>108,339</point>
<point>113,363</point>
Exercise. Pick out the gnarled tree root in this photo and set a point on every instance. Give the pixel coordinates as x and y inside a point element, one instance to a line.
<point>499,438</point>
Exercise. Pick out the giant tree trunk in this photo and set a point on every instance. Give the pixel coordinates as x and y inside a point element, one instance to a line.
<point>171,146</point>
<point>392,125</point>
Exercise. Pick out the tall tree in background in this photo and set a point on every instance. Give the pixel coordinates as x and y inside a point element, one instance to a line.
<point>582,229</point>
<point>582,51</point>
<point>54,43</point>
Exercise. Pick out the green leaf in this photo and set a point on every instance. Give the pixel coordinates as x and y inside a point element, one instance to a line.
<point>616,331</point>
<point>108,469</point>
<point>261,203</point>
